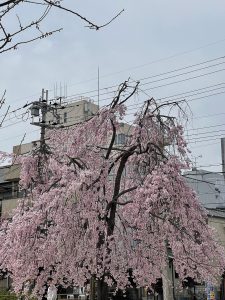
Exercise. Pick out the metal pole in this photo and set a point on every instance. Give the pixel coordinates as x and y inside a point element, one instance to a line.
<point>98,88</point>
<point>44,105</point>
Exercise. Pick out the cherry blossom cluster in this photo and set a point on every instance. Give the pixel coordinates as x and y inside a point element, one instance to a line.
<point>96,209</point>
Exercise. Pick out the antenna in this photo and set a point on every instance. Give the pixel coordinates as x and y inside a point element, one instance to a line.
<point>98,87</point>
<point>42,95</point>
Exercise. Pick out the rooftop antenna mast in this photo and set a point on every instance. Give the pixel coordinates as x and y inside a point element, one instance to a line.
<point>98,87</point>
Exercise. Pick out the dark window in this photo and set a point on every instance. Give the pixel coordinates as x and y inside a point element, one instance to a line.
<point>65,117</point>
<point>120,139</point>
<point>0,207</point>
<point>6,190</point>
<point>9,190</point>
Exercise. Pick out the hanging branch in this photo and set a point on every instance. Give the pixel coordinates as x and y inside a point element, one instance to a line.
<point>9,38</point>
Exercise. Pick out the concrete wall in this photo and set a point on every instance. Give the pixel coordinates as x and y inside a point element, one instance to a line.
<point>12,173</point>
<point>8,205</point>
<point>25,148</point>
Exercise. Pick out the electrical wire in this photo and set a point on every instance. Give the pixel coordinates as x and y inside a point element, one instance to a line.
<point>189,135</point>
<point>140,66</point>
<point>193,99</point>
<point>171,71</point>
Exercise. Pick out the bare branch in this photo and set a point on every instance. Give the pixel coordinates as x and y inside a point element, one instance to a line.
<point>77,161</point>
<point>4,116</point>
<point>125,156</point>
<point>112,140</point>
<point>10,5</point>
<point>18,149</point>
<point>90,25</point>
<point>106,24</point>
<point>126,191</point>
<point>2,101</point>
<point>131,94</point>
<point>106,148</point>
<point>121,89</point>
<point>9,2</point>
<point>176,103</point>
<point>30,40</point>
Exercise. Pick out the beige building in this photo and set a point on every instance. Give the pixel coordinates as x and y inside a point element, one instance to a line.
<point>9,180</point>
<point>73,113</point>
<point>9,188</point>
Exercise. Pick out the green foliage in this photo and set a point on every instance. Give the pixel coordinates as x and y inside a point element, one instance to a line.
<point>7,295</point>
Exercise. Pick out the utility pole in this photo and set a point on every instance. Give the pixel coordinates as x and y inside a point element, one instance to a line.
<point>40,109</point>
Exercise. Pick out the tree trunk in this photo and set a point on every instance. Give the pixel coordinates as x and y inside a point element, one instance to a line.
<point>167,286</point>
<point>102,290</point>
<point>92,288</point>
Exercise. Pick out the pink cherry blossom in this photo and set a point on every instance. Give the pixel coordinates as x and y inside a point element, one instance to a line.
<point>95,209</point>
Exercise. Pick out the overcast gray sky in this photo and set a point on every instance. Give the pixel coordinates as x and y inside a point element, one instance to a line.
<point>149,38</point>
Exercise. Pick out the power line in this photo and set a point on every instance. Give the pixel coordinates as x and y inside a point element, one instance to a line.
<point>74,101</point>
<point>167,58</point>
<point>186,79</point>
<point>204,127</point>
<point>204,173</point>
<point>139,66</point>
<point>209,165</point>
<point>161,74</point>
<point>168,72</point>
<point>206,145</point>
<point>207,140</point>
<point>181,74</point>
<point>135,106</point>
<point>204,137</point>
<point>191,91</point>
<point>147,89</point>
<point>202,133</point>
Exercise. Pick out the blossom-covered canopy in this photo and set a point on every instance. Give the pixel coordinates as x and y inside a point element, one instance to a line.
<point>97,209</point>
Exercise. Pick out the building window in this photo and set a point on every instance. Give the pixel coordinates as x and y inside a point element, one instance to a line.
<point>10,190</point>
<point>120,139</point>
<point>65,117</point>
